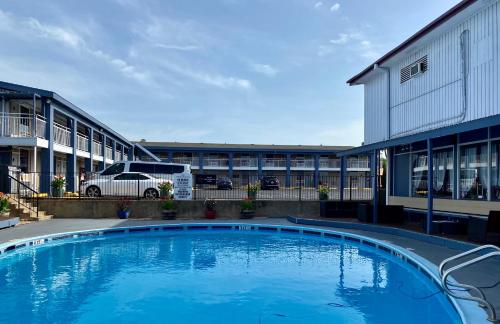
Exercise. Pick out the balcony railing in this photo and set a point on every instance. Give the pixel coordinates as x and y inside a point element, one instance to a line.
<point>109,152</point>
<point>62,135</point>
<point>274,163</point>
<point>357,164</point>
<point>21,125</point>
<point>329,164</point>
<point>294,163</point>
<point>216,163</point>
<point>245,163</point>
<point>193,161</point>
<point>82,142</point>
<point>97,148</point>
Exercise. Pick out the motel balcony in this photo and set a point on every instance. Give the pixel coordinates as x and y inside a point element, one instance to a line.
<point>273,164</point>
<point>193,161</point>
<point>82,142</point>
<point>358,164</point>
<point>301,164</point>
<point>329,164</point>
<point>109,153</point>
<point>22,125</point>
<point>215,164</point>
<point>245,164</point>
<point>62,135</point>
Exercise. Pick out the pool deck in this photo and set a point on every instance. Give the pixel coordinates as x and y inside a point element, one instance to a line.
<point>486,274</point>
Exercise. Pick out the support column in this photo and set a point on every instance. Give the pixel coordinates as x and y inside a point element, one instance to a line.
<point>388,174</point>
<point>48,153</point>
<point>316,171</point>
<point>488,172</point>
<point>230,164</point>
<point>71,172</point>
<point>374,171</point>
<point>3,117</point>
<point>201,160</point>
<point>113,151</point>
<point>170,157</point>
<point>342,177</point>
<point>456,169</point>
<point>123,152</point>
<point>259,165</point>
<point>130,154</point>
<point>102,165</point>
<point>430,180</point>
<point>288,170</point>
<point>89,163</point>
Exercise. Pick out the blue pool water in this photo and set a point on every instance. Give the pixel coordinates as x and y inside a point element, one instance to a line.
<point>214,277</point>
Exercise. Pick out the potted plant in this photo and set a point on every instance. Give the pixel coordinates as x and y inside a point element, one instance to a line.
<point>253,188</point>
<point>210,212</point>
<point>247,209</point>
<point>57,185</point>
<point>166,189</point>
<point>4,206</point>
<point>123,211</point>
<point>323,192</point>
<point>168,209</point>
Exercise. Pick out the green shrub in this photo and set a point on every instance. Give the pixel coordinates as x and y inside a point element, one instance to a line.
<point>246,204</point>
<point>168,205</point>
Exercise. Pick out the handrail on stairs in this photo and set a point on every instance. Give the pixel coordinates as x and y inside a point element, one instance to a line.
<point>24,194</point>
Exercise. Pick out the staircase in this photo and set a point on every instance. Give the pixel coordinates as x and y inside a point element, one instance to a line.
<point>26,211</point>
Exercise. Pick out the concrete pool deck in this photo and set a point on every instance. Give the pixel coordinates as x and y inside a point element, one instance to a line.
<point>485,275</point>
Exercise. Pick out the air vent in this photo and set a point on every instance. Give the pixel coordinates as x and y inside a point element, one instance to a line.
<point>414,69</point>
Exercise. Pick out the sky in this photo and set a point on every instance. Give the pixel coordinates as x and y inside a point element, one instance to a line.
<point>223,71</point>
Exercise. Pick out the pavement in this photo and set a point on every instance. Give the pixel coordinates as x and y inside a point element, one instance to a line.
<point>485,275</point>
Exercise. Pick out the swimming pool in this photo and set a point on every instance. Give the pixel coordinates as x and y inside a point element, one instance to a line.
<point>202,273</point>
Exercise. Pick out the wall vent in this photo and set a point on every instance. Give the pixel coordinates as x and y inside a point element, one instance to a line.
<point>416,68</point>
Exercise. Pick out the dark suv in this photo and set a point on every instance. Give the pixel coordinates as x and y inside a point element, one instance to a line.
<point>269,183</point>
<point>224,183</point>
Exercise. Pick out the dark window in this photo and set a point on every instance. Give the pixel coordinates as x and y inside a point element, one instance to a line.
<point>131,176</point>
<point>114,169</point>
<point>142,167</point>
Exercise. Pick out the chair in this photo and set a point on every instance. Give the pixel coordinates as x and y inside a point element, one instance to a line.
<point>485,230</point>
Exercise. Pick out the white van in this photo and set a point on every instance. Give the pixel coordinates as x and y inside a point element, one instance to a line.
<point>156,169</point>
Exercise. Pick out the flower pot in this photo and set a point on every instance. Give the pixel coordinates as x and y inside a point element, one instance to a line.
<point>210,214</point>
<point>165,194</point>
<point>323,196</point>
<point>168,214</point>
<point>123,214</point>
<point>247,214</point>
<point>58,192</point>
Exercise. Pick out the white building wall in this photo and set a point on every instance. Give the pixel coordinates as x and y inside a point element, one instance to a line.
<point>436,98</point>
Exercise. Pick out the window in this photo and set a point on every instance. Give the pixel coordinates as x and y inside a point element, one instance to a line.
<point>131,176</point>
<point>495,171</point>
<point>442,161</point>
<point>142,167</point>
<point>419,175</point>
<point>474,171</point>
<point>152,168</point>
<point>114,169</point>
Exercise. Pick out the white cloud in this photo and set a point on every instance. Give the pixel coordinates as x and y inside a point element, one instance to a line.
<point>62,35</point>
<point>342,39</point>
<point>335,7</point>
<point>318,4</point>
<point>264,69</point>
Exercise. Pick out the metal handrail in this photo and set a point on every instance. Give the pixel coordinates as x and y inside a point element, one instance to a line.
<point>25,187</point>
<point>481,299</point>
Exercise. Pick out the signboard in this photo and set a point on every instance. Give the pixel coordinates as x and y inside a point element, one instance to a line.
<point>183,186</point>
<point>209,179</point>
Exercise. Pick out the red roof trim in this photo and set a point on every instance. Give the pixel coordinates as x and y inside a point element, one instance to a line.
<point>422,32</point>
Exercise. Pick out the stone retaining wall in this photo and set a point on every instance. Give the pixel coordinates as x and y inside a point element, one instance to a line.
<point>151,209</point>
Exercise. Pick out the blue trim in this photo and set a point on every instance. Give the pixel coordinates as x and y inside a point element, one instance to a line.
<point>48,154</point>
<point>430,189</point>
<point>157,149</point>
<point>342,176</point>
<point>71,172</point>
<point>288,164</point>
<point>374,171</point>
<point>89,163</point>
<point>423,136</point>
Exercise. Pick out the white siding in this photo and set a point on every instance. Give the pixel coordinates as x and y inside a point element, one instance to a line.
<point>376,108</point>
<point>435,98</point>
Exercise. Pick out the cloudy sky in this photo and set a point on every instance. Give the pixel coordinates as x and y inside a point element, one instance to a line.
<point>234,71</point>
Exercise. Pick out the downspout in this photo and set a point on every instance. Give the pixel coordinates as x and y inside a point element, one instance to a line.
<point>388,73</point>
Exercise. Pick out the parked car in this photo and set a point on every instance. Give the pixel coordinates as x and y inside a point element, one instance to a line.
<point>124,184</point>
<point>157,169</point>
<point>224,183</point>
<point>269,183</point>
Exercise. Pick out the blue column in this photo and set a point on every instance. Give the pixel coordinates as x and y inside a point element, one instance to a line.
<point>456,169</point>
<point>123,152</point>
<point>102,165</point>
<point>71,172</point>
<point>430,189</point>
<point>230,164</point>
<point>89,163</point>
<point>48,153</point>
<point>288,170</point>
<point>130,154</point>
<point>259,165</point>
<point>316,170</point>
<point>342,177</point>
<point>374,171</point>
<point>113,150</point>
<point>200,162</point>
<point>170,156</point>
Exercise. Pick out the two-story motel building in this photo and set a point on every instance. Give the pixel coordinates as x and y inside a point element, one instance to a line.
<point>433,103</point>
<point>290,163</point>
<point>43,134</point>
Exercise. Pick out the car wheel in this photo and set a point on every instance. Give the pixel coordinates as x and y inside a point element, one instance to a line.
<point>93,191</point>
<point>151,193</point>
